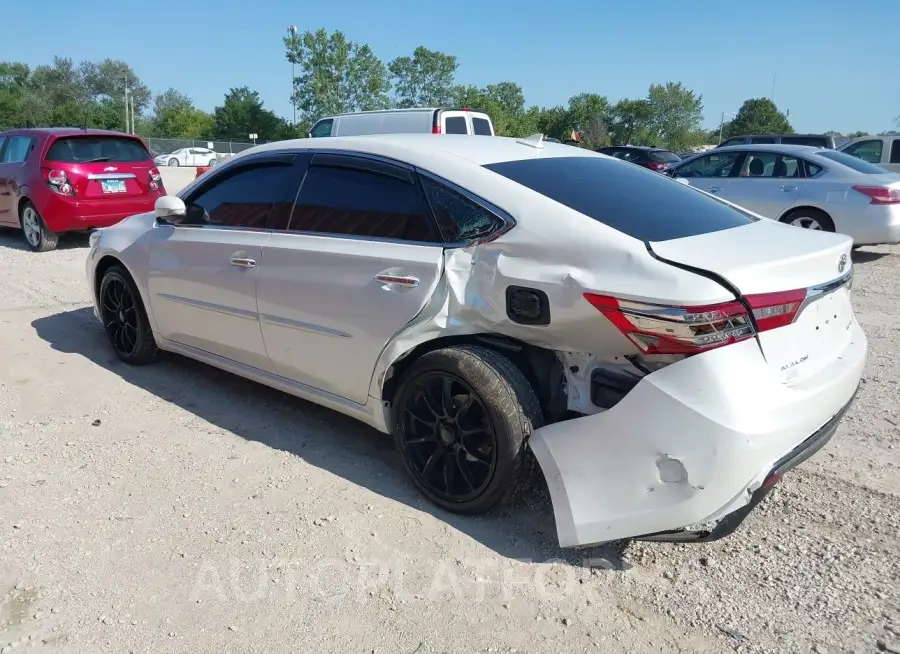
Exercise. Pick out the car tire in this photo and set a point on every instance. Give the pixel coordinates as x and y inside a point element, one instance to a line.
<point>125,319</point>
<point>38,237</point>
<point>479,428</point>
<point>173,162</point>
<point>809,219</point>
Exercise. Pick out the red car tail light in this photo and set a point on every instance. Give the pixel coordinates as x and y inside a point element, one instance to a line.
<point>665,329</point>
<point>58,181</point>
<point>154,179</point>
<point>653,165</point>
<point>880,194</point>
<point>436,129</point>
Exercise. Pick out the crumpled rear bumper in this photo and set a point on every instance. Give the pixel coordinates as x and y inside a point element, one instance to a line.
<point>690,444</point>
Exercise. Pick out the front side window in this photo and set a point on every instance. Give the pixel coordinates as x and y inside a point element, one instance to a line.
<point>322,128</point>
<point>459,219</point>
<point>244,198</point>
<point>770,164</point>
<point>895,151</point>
<point>84,149</point>
<point>712,165</point>
<point>739,140</point>
<point>356,202</point>
<point>630,199</point>
<point>17,149</point>
<point>869,151</point>
<point>857,164</point>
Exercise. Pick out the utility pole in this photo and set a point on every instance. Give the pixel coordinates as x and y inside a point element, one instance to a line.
<point>722,123</point>
<point>127,130</point>
<point>292,31</point>
<point>774,77</point>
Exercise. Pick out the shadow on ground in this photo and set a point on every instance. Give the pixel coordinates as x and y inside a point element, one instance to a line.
<point>324,438</point>
<point>868,256</point>
<point>13,240</point>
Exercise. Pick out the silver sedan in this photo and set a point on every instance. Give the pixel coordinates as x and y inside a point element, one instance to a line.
<point>803,186</point>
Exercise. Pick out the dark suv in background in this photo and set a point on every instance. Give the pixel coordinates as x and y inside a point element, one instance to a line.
<point>658,159</point>
<point>815,140</point>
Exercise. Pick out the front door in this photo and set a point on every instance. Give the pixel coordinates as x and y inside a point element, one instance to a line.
<point>711,172</point>
<point>202,274</point>
<point>768,183</point>
<point>359,261</point>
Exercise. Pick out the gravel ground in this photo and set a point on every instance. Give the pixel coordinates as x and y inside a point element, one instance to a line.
<point>175,508</point>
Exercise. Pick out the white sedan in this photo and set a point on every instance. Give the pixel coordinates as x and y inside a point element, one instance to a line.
<point>498,305</point>
<point>187,157</point>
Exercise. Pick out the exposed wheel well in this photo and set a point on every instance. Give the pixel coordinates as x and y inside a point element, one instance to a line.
<point>103,265</point>
<point>22,202</point>
<point>540,366</point>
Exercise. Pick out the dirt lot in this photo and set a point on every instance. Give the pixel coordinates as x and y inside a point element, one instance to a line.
<point>175,508</point>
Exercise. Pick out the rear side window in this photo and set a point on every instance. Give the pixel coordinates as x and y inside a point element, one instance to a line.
<point>481,127</point>
<point>459,219</point>
<point>633,200</point>
<point>456,125</point>
<point>84,149</point>
<point>762,139</point>
<point>850,161</point>
<point>895,152</point>
<point>244,199</point>
<point>740,140</point>
<point>663,156</point>
<point>353,202</point>
<point>814,141</point>
<point>17,149</point>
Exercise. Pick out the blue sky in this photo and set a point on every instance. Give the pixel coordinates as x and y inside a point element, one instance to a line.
<point>836,67</point>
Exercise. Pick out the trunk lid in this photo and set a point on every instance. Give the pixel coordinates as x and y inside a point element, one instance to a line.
<point>101,166</point>
<point>769,257</point>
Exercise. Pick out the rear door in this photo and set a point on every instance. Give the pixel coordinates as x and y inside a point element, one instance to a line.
<point>360,259</point>
<point>5,195</point>
<point>768,183</point>
<point>101,167</point>
<point>455,122</point>
<point>202,274</point>
<point>14,153</point>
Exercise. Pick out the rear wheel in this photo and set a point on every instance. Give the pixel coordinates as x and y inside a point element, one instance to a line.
<point>810,219</point>
<point>125,319</point>
<point>38,236</point>
<point>463,417</point>
<point>173,161</point>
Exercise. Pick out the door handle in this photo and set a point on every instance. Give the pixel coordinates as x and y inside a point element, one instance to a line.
<point>398,280</point>
<point>787,189</point>
<point>713,189</point>
<point>242,262</point>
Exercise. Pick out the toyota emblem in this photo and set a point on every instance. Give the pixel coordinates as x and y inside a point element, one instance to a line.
<point>842,263</point>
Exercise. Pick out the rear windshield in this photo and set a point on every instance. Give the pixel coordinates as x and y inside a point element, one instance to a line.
<point>84,149</point>
<point>815,141</point>
<point>633,200</point>
<point>663,156</point>
<point>481,127</point>
<point>850,161</point>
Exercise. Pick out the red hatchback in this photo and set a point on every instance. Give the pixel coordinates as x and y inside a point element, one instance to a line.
<point>59,180</point>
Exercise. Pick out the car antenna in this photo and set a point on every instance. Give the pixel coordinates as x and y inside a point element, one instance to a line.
<point>534,141</point>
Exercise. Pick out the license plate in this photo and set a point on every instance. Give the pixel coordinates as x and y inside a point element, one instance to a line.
<point>113,185</point>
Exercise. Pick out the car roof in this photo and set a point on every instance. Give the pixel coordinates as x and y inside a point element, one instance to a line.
<point>425,149</point>
<point>68,131</point>
<point>800,150</point>
<point>647,148</point>
<point>408,110</point>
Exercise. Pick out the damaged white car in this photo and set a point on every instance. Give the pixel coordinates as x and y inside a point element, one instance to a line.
<point>500,304</point>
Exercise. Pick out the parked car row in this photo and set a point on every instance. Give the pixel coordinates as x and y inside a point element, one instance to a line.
<point>691,354</point>
<point>186,157</point>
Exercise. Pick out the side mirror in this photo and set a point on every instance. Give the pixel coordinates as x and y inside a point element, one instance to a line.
<point>682,180</point>
<point>170,209</point>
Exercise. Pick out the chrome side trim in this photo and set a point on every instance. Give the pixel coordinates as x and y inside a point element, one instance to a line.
<point>303,326</point>
<point>112,176</point>
<point>209,306</point>
<point>819,291</point>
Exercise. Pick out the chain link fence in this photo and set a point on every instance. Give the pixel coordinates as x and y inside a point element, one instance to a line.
<point>167,146</point>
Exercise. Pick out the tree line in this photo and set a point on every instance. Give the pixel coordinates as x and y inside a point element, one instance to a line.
<point>336,75</point>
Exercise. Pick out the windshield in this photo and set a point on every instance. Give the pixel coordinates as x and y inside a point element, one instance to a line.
<point>633,200</point>
<point>84,149</point>
<point>850,161</point>
<point>663,156</point>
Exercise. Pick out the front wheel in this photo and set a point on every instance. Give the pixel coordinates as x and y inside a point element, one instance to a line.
<point>125,319</point>
<point>810,219</point>
<point>38,236</point>
<point>463,417</point>
<point>173,161</point>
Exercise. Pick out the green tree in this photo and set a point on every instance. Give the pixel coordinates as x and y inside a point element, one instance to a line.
<point>675,115</point>
<point>175,116</point>
<point>109,79</point>
<point>589,116</point>
<point>336,76</point>
<point>14,78</point>
<point>424,80</point>
<point>628,118</point>
<point>758,116</point>
<point>553,122</point>
<point>242,113</point>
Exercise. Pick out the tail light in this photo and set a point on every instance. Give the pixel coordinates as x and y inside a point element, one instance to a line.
<point>154,179</point>
<point>59,181</point>
<point>436,129</point>
<point>665,329</point>
<point>657,166</point>
<point>880,194</point>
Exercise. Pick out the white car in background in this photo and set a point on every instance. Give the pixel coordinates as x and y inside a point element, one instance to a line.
<point>187,157</point>
<point>498,304</point>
